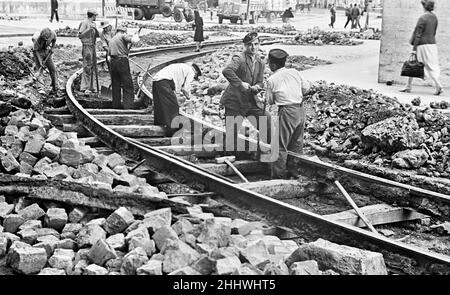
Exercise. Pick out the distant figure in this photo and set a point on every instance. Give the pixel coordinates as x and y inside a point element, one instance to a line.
<point>333,16</point>
<point>198,26</point>
<point>308,5</point>
<point>287,14</point>
<point>355,16</point>
<point>424,45</point>
<point>43,45</point>
<point>348,14</point>
<point>54,8</point>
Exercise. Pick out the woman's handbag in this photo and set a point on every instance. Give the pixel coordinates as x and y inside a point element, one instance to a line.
<point>413,68</point>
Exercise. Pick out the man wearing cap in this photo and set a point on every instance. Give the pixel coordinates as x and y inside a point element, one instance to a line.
<point>88,33</point>
<point>106,36</point>
<point>245,74</point>
<point>120,68</point>
<point>286,88</point>
<point>166,83</point>
<point>44,42</point>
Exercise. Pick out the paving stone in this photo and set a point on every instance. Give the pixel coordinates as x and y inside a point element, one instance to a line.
<point>162,235</point>
<point>95,270</point>
<point>156,219</point>
<point>56,137</point>
<point>245,229</point>
<point>12,222</point>
<point>308,267</point>
<point>81,254</point>
<point>182,226</point>
<point>25,169</point>
<point>80,267</point>
<point>115,159</point>
<point>97,221</point>
<point>62,259</point>
<point>133,260</point>
<point>27,260</point>
<point>204,265</point>
<point>41,165</point>
<point>48,271</point>
<point>67,244</point>
<point>146,244</point>
<point>247,269</point>
<point>48,245</point>
<point>205,248</point>
<point>9,163</point>
<point>238,241</point>
<point>118,221</point>
<point>101,252</point>
<point>187,270</point>
<point>178,254</point>
<point>114,264</point>
<point>273,268</point>
<point>157,256</point>
<point>3,246</point>
<point>34,145</point>
<point>101,161</point>
<point>28,158</point>
<point>28,235</point>
<point>31,224</point>
<point>45,236</point>
<point>340,258</point>
<point>77,214</point>
<point>117,241</point>
<point>5,209</point>
<point>256,254</point>
<point>227,266</point>
<point>70,157</point>
<point>152,267</point>
<point>89,235</point>
<point>214,232</point>
<point>31,212</point>
<point>51,151</point>
<point>56,218</point>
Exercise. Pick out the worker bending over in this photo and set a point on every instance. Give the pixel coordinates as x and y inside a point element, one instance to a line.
<point>44,42</point>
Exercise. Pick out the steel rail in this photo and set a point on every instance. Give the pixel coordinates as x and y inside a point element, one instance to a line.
<point>309,225</point>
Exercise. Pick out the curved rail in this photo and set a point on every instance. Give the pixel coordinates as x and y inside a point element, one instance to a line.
<point>309,225</point>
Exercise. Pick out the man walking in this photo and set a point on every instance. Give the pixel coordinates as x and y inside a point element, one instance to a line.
<point>170,80</point>
<point>120,69</point>
<point>54,8</point>
<point>286,88</point>
<point>348,14</point>
<point>44,42</point>
<point>245,72</point>
<point>88,34</point>
<point>333,16</point>
<point>355,16</point>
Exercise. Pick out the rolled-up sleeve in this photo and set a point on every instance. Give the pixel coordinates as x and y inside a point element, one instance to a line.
<point>187,83</point>
<point>269,92</point>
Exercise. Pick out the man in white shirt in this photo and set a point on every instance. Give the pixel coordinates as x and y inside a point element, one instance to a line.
<point>174,78</point>
<point>286,88</point>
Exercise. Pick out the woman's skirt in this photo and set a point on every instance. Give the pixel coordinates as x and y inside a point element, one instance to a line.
<point>428,54</point>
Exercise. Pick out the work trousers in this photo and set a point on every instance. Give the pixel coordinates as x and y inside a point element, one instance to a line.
<point>333,19</point>
<point>255,116</point>
<point>121,81</point>
<point>165,103</point>
<point>349,20</point>
<point>51,68</point>
<point>87,76</point>
<point>54,14</point>
<point>291,129</point>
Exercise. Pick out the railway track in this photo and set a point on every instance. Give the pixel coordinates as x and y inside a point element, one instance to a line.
<point>131,133</point>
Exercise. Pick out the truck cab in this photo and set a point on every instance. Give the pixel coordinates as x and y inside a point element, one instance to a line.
<point>239,10</point>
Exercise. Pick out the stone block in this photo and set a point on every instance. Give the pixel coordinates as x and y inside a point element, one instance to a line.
<point>89,235</point>
<point>308,267</point>
<point>182,226</point>
<point>204,265</point>
<point>256,254</point>
<point>3,246</point>
<point>238,241</point>
<point>12,222</point>
<point>67,244</point>
<point>98,221</point>
<point>56,137</point>
<point>31,212</point>
<point>214,232</point>
<point>101,252</point>
<point>226,266</point>
<point>77,214</point>
<point>10,163</point>
<point>156,219</point>
<point>162,235</point>
<point>152,267</point>
<point>117,241</point>
<point>51,151</point>
<point>146,244</point>
<point>49,271</point>
<point>340,258</point>
<point>95,270</point>
<point>5,209</point>
<point>178,254</point>
<point>62,259</point>
<point>27,260</point>
<point>56,218</point>
<point>114,160</point>
<point>28,235</point>
<point>187,270</point>
<point>133,260</point>
<point>80,267</point>
<point>114,264</point>
<point>34,145</point>
<point>118,221</point>
<point>70,157</point>
<point>28,158</point>
<point>41,165</point>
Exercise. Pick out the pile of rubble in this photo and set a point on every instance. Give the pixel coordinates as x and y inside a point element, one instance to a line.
<point>222,34</point>
<point>301,62</point>
<point>8,17</point>
<point>318,37</point>
<point>15,64</point>
<point>56,241</point>
<point>153,39</point>
<point>31,147</point>
<point>369,34</point>
<point>66,32</point>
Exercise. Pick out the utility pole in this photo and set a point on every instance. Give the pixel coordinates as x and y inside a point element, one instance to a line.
<point>103,8</point>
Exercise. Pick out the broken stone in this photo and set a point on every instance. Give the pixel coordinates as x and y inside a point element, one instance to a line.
<point>256,254</point>
<point>386,232</point>
<point>11,130</point>
<point>89,235</point>
<point>56,218</point>
<point>41,165</point>
<point>152,267</point>
<point>214,232</point>
<point>34,145</point>
<point>228,265</point>
<point>204,265</point>
<point>246,228</point>
<point>3,246</point>
<point>77,214</point>
<point>133,260</point>
<point>67,244</point>
<point>123,189</point>
<point>120,169</point>
<point>117,241</point>
<point>70,157</point>
<point>48,245</point>
<point>16,148</point>
<point>114,159</point>
<point>9,163</point>
<point>236,224</point>
<point>187,270</point>
<point>48,271</point>
<point>97,221</point>
<point>276,268</point>
<point>87,154</point>
<point>31,212</point>
<point>329,272</point>
<point>163,235</point>
<point>5,209</point>
<point>340,258</point>
<point>410,159</point>
<point>308,267</point>
<point>56,137</point>
<point>80,267</point>
<point>247,269</point>
<point>177,254</point>
<point>95,270</point>
<point>101,161</point>
<point>25,169</point>
<point>154,220</point>
<point>238,241</point>
<point>45,233</point>
<point>182,226</point>
<point>28,235</point>
<point>12,222</point>
<point>118,221</point>
<point>140,232</point>
<point>146,244</point>
<point>62,259</point>
<point>27,260</point>
<point>114,264</point>
<point>101,252</point>
<point>81,254</point>
<point>51,151</point>
<point>28,158</point>
<point>72,228</point>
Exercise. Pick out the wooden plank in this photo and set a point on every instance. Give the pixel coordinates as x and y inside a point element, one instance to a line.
<point>153,141</point>
<point>78,128</point>
<point>201,151</point>
<point>376,214</point>
<point>61,119</point>
<point>126,119</point>
<point>110,111</point>
<point>248,167</point>
<point>136,131</point>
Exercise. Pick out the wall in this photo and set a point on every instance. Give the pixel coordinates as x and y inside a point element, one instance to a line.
<point>399,20</point>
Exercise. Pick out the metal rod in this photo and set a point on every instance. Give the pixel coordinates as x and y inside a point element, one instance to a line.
<point>236,171</point>
<point>131,170</point>
<point>350,200</point>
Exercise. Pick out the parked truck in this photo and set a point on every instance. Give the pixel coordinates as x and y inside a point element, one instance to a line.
<point>252,10</point>
<point>149,8</point>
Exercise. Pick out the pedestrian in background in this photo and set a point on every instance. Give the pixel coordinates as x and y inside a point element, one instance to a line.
<point>54,8</point>
<point>88,34</point>
<point>348,14</point>
<point>424,45</point>
<point>287,14</point>
<point>355,14</point>
<point>121,79</point>
<point>333,16</point>
<point>198,30</point>
<point>44,42</point>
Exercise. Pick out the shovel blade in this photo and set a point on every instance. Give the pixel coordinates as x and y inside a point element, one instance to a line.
<point>106,92</point>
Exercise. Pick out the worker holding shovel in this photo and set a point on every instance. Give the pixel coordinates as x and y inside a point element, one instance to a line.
<point>44,42</point>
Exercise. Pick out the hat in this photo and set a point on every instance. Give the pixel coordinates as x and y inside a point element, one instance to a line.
<point>250,37</point>
<point>92,11</point>
<point>104,24</point>
<point>277,53</point>
<point>121,28</point>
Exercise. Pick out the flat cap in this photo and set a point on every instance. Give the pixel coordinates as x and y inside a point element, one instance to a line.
<point>250,37</point>
<point>121,28</point>
<point>92,11</point>
<point>277,53</point>
<point>105,24</point>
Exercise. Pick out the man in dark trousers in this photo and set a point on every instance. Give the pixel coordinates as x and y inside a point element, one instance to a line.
<point>286,88</point>
<point>120,68</point>
<point>333,16</point>
<point>44,42</point>
<point>355,16</point>
<point>348,14</point>
<point>54,8</point>
<point>245,74</point>
<point>170,80</point>
<point>88,34</point>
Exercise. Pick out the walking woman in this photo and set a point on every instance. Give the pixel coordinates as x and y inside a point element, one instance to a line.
<point>333,16</point>
<point>424,45</point>
<point>198,26</point>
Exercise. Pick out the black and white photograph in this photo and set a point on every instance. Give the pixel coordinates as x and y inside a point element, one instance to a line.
<point>225,146</point>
